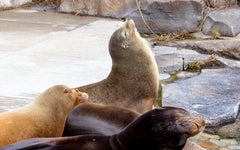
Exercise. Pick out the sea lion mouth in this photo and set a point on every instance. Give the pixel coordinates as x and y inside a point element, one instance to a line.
<point>82,97</point>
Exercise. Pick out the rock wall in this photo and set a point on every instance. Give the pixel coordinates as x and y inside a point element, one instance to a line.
<point>220,3</point>
<point>226,22</point>
<point>164,15</point>
<point>12,3</point>
<point>160,15</point>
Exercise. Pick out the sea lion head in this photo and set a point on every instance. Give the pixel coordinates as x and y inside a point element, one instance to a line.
<point>163,128</point>
<point>173,126</point>
<point>125,42</point>
<point>62,94</point>
<point>75,94</point>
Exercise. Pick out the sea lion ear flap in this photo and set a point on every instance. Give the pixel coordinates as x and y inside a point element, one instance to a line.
<point>66,90</point>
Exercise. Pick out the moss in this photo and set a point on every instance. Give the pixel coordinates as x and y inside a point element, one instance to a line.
<point>172,78</point>
<point>215,34</point>
<point>201,22</point>
<point>195,66</point>
<point>211,62</point>
<point>213,57</point>
<point>159,97</point>
<point>180,35</point>
<point>28,3</point>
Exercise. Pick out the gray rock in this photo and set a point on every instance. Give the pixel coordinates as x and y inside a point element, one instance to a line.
<point>229,141</point>
<point>234,147</point>
<point>227,48</point>
<point>170,59</point>
<point>225,21</point>
<point>219,3</point>
<point>192,146</point>
<point>231,130</point>
<point>12,3</point>
<point>44,8</point>
<point>214,95</point>
<point>160,15</point>
<point>217,142</point>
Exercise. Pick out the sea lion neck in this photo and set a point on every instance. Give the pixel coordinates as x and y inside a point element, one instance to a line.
<point>127,66</point>
<point>136,135</point>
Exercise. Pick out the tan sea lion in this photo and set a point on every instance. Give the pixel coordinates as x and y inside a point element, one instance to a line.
<point>91,118</point>
<point>133,81</point>
<point>166,128</point>
<point>43,117</point>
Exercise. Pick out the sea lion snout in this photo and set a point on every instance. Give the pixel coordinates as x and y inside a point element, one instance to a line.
<point>190,124</point>
<point>129,23</point>
<point>186,123</point>
<point>82,97</point>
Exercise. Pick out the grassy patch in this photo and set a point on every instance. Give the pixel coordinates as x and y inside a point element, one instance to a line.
<point>174,36</point>
<point>169,37</point>
<point>201,22</point>
<point>211,62</point>
<point>195,66</point>
<point>215,34</point>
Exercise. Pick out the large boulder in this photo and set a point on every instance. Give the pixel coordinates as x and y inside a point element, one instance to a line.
<point>12,3</point>
<point>160,15</point>
<point>231,130</point>
<point>226,48</point>
<point>224,21</point>
<point>221,3</point>
<point>214,95</point>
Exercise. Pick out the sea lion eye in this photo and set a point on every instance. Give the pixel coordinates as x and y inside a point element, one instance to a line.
<point>66,91</point>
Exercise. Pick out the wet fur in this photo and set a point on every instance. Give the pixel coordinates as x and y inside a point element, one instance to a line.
<point>90,118</point>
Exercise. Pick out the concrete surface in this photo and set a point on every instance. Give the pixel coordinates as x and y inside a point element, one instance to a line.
<point>42,49</point>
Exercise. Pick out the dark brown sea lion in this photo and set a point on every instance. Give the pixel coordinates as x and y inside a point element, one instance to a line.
<point>90,118</point>
<point>165,128</point>
<point>43,117</point>
<point>133,81</point>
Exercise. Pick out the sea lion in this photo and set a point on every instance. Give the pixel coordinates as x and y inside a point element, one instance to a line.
<point>43,117</point>
<point>166,128</point>
<point>133,80</point>
<point>90,118</point>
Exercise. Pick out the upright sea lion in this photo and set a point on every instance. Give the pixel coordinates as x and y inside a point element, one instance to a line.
<point>166,128</point>
<point>90,118</point>
<point>133,81</point>
<point>44,117</point>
